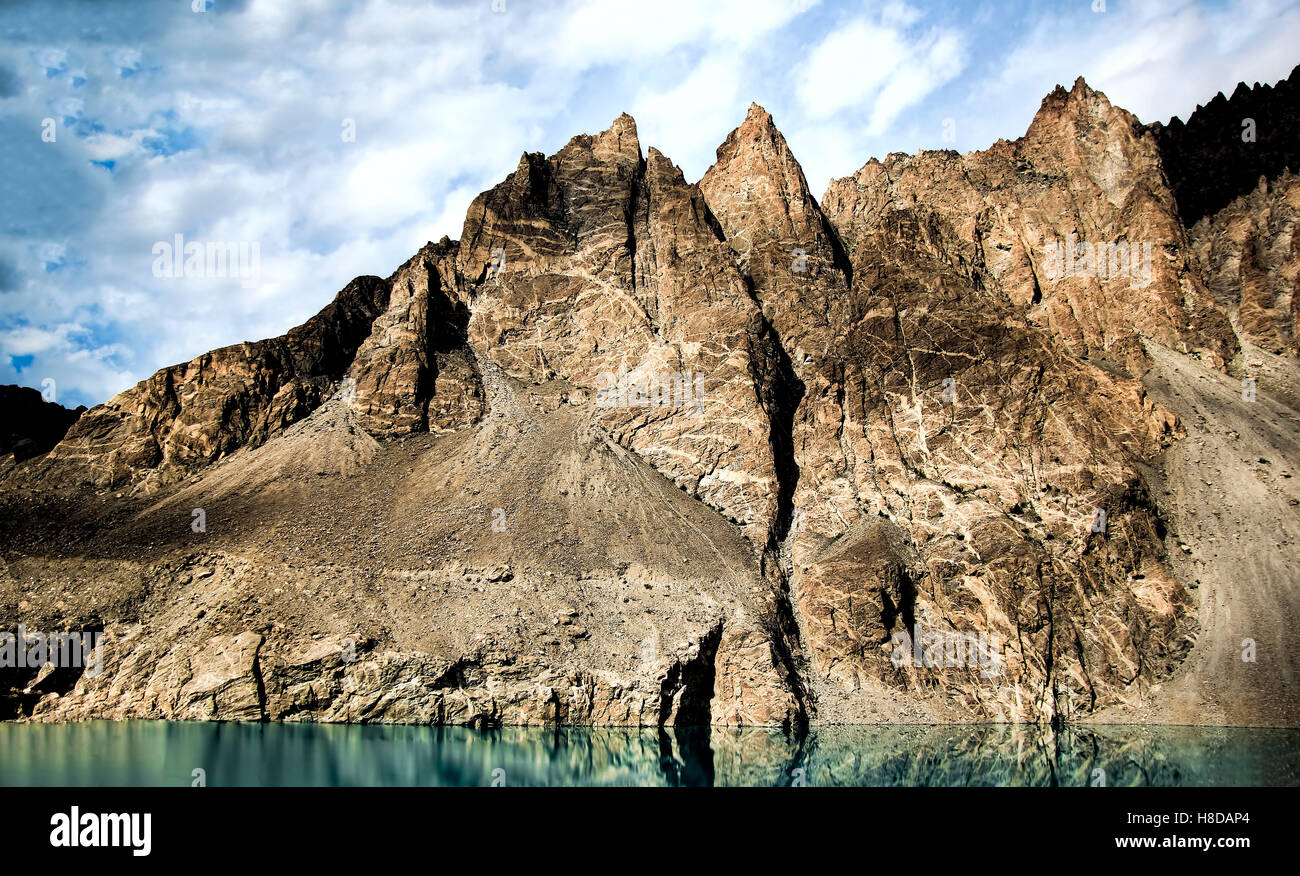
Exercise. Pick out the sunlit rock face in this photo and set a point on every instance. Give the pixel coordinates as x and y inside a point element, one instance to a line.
<point>414,372</point>
<point>641,451</point>
<point>962,425</point>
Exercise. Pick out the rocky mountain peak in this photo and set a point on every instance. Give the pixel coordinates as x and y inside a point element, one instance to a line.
<point>758,148</point>
<point>758,191</point>
<point>619,139</point>
<point>661,166</point>
<point>756,110</point>
<point>1065,113</point>
<point>757,181</point>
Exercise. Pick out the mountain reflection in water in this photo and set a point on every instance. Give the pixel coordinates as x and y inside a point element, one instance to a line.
<point>163,753</point>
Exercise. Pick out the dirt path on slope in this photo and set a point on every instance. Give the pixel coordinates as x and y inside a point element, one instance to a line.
<point>1231,497</point>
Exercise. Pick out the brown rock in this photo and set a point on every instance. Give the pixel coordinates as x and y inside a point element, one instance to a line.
<point>1251,253</point>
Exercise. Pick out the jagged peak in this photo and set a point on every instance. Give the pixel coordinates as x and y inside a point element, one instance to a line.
<point>1057,103</point>
<point>1079,94</point>
<point>624,120</point>
<point>757,114</point>
<point>661,167</point>
<point>758,121</point>
<point>756,146</point>
<point>525,159</point>
<point>618,143</point>
<point>619,140</point>
<point>1082,100</point>
<point>620,137</point>
<point>1080,88</point>
<point>1208,170</point>
<point>1241,92</point>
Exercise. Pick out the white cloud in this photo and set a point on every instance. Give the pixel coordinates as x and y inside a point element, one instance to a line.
<point>942,59</point>
<point>66,360</point>
<point>849,67</point>
<point>878,62</point>
<point>594,32</point>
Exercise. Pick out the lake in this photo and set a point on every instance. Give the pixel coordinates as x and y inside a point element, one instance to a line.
<point>159,753</point>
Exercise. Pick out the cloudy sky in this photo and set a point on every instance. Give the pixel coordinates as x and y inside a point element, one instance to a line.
<point>340,135</point>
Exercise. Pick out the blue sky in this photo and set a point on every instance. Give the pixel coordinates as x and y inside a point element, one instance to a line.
<point>227,125</point>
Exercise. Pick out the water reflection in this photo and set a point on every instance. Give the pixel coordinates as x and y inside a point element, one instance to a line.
<point>162,753</point>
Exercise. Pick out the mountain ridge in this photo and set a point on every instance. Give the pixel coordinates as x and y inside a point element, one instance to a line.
<point>910,426</point>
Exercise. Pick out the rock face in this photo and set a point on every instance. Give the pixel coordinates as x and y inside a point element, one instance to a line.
<point>32,426</point>
<point>614,278</point>
<point>415,372</point>
<point>952,452</point>
<point>1086,177</point>
<point>1251,253</point>
<point>638,451</point>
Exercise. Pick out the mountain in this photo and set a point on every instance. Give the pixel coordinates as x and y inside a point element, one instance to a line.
<point>967,438</point>
<point>32,425</point>
<point>1232,168</point>
<point>1226,145</point>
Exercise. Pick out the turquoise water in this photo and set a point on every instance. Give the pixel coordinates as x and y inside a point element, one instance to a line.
<point>162,753</point>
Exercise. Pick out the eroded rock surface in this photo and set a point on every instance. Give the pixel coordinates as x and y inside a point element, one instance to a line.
<point>952,455</point>
<point>1251,253</point>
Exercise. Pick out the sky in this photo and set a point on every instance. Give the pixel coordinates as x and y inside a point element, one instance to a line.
<point>333,138</point>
